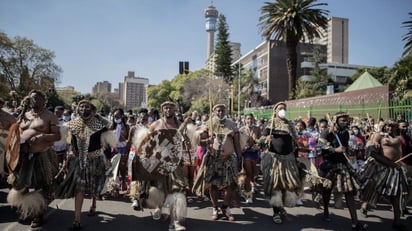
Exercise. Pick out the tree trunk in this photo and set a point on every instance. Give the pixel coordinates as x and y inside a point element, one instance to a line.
<point>291,61</point>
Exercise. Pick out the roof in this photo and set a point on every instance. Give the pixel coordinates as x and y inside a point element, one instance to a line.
<point>364,81</point>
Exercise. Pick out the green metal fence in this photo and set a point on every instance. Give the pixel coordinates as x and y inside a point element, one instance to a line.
<point>384,110</point>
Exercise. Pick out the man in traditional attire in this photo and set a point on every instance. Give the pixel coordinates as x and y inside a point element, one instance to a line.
<point>338,169</point>
<point>88,134</point>
<point>32,159</point>
<point>281,180</point>
<point>219,169</point>
<point>382,175</point>
<point>162,180</point>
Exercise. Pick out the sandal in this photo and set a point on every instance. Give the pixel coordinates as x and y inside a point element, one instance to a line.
<point>92,211</point>
<point>364,212</point>
<point>36,222</point>
<point>76,225</point>
<point>277,219</point>
<point>360,227</point>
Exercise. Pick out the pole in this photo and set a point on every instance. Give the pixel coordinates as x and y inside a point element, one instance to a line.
<point>238,93</point>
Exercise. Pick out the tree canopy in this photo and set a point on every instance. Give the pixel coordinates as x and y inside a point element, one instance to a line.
<point>292,21</point>
<point>25,66</point>
<point>223,52</point>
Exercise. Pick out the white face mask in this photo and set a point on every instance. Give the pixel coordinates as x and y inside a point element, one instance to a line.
<point>118,121</point>
<point>282,113</point>
<point>355,132</point>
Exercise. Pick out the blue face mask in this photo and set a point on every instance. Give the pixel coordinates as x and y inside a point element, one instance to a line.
<point>66,118</point>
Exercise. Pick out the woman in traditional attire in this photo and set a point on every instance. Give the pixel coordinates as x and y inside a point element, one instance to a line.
<point>280,171</point>
<point>86,164</point>
<point>250,155</point>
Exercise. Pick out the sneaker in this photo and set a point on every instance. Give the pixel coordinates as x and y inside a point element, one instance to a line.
<point>136,205</point>
<point>299,202</point>
<point>178,226</point>
<point>157,214</point>
<point>228,214</point>
<point>215,214</point>
<point>249,200</point>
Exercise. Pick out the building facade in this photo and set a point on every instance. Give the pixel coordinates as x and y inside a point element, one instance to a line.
<point>133,93</point>
<point>101,88</point>
<point>268,61</point>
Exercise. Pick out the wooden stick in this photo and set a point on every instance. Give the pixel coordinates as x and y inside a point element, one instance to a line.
<point>404,157</point>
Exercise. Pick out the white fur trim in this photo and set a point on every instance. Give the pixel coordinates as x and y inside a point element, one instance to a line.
<point>63,134</point>
<point>156,198</point>
<point>276,199</point>
<point>178,205</point>
<point>11,178</point>
<point>28,204</point>
<point>108,138</point>
<point>139,135</point>
<point>290,199</point>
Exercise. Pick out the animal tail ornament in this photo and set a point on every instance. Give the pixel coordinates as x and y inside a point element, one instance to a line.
<point>108,138</point>
<point>140,134</point>
<point>277,199</point>
<point>28,203</point>
<point>178,206</point>
<point>156,198</point>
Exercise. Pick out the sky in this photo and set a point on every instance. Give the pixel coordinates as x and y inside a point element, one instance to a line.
<point>101,40</point>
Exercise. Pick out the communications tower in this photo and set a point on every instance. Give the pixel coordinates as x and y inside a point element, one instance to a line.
<point>211,15</point>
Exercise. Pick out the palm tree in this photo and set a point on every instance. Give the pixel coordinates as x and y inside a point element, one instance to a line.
<point>408,37</point>
<point>292,21</point>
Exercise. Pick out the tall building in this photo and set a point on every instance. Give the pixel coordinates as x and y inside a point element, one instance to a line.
<point>101,88</point>
<point>211,15</point>
<point>268,61</point>
<point>336,38</point>
<point>134,91</point>
<point>268,65</point>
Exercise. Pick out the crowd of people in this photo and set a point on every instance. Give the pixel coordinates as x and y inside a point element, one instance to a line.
<point>166,159</point>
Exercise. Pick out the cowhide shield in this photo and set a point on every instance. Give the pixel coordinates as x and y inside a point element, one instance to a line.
<point>13,147</point>
<point>160,152</point>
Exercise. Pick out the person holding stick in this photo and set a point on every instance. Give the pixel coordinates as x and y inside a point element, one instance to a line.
<point>337,168</point>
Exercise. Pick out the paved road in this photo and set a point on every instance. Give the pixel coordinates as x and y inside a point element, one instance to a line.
<point>116,214</point>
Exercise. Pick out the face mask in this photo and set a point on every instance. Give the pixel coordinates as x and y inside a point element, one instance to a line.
<point>403,131</point>
<point>282,113</point>
<point>66,118</point>
<point>118,121</point>
<point>150,119</point>
<point>85,113</point>
<point>356,132</point>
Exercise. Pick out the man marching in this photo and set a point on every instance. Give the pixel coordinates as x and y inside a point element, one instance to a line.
<point>163,186</point>
<point>220,165</point>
